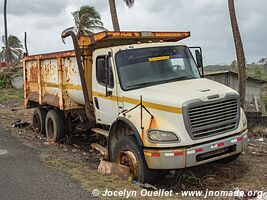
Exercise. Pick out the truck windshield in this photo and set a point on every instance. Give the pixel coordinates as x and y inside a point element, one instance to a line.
<point>145,67</point>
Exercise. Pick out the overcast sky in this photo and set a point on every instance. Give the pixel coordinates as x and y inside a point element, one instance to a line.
<point>207,20</point>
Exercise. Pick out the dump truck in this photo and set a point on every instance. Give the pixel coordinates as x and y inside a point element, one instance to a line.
<point>144,93</point>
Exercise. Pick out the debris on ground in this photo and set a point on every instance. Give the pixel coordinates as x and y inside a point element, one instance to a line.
<point>101,149</point>
<point>20,124</point>
<point>109,168</point>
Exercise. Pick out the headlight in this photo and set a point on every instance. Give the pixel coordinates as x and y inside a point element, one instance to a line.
<point>161,136</point>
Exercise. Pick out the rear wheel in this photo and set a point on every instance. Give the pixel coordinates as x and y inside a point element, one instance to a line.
<point>128,153</point>
<point>54,126</point>
<point>38,120</point>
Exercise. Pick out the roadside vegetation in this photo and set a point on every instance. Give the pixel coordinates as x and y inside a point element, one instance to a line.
<point>10,94</point>
<point>7,92</point>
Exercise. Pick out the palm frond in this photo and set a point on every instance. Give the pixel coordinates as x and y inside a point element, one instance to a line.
<point>14,51</point>
<point>86,20</point>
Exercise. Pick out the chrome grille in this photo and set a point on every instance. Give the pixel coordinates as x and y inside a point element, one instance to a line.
<point>204,119</point>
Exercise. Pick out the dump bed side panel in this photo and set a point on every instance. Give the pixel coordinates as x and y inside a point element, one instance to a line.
<point>52,79</point>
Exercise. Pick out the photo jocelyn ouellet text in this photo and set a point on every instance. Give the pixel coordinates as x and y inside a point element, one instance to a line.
<point>170,193</point>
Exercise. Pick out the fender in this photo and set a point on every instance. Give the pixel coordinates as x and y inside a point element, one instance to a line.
<point>131,125</point>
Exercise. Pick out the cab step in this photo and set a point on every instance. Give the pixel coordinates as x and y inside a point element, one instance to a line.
<point>100,131</point>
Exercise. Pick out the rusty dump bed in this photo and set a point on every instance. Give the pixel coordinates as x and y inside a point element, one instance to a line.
<point>53,79</point>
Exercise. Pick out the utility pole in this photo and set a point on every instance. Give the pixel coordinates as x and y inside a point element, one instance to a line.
<point>6,35</point>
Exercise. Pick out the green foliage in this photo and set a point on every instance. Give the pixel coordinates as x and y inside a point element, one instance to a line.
<point>4,82</point>
<point>14,52</point>
<point>87,20</point>
<point>264,100</point>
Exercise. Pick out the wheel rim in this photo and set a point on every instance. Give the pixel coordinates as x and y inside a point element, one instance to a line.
<point>50,128</point>
<point>36,123</point>
<point>128,159</point>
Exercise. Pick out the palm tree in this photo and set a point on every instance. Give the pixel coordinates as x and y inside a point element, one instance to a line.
<point>87,20</point>
<point>114,15</point>
<point>5,25</point>
<point>241,61</point>
<point>13,50</point>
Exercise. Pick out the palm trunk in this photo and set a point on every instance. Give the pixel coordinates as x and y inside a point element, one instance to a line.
<point>114,15</point>
<point>6,35</point>
<point>239,53</point>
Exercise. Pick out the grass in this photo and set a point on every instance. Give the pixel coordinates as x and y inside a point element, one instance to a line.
<point>90,179</point>
<point>10,94</point>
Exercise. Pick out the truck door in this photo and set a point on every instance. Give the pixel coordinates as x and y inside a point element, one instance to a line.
<point>105,98</point>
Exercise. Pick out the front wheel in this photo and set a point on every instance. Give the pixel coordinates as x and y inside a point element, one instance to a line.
<point>128,153</point>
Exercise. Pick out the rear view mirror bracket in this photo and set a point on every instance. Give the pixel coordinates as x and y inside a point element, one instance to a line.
<point>107,77</point>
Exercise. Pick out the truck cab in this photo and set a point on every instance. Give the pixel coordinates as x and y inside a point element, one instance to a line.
<point>149,97</point>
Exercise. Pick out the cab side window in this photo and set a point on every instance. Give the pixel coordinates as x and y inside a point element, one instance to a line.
<point>101,72</point>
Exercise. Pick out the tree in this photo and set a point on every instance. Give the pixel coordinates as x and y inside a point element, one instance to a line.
<point>87,20</point>
<point>6,58</point>
<point>241,61</point>
<point>114,15</point>
<point>234,66</point>
<point>13,50</point>
<point>262,61</point>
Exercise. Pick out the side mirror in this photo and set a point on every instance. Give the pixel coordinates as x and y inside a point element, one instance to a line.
<point>199,59</point>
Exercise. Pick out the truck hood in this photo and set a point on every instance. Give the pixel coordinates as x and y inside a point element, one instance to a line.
<point>176,93</point>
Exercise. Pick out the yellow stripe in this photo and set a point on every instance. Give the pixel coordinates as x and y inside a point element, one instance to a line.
<point>72,87</point>
<point>159,58</point>
<point>155,106</point>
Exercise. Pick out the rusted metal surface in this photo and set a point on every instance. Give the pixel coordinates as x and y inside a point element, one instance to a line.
<point>45,80</point>
<point>108,39</point>
<point>52,100</point>
<point>32,96</point>
<point>61,54</point>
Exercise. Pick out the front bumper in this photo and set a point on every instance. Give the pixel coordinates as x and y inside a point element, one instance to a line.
<point>178,158</point>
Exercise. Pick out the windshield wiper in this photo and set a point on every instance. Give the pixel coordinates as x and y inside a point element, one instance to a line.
<point>180,78</point>
<point>142,84</point>
<point>188,76</point>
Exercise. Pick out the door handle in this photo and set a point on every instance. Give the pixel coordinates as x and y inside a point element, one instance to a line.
<point>96,102</point>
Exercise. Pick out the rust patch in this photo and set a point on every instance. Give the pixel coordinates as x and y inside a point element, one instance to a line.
<point>32,96</point>
<point>52,100</point>
<point>61,54</point>
<point>34,74</point>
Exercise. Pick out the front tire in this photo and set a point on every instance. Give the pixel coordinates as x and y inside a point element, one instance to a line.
<point>54,126</point>
<point>127,152</point>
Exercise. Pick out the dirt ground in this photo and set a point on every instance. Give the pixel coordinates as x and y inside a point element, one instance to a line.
<point>75,157</point>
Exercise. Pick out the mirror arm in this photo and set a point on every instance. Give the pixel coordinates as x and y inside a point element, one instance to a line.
<point>107,81</point>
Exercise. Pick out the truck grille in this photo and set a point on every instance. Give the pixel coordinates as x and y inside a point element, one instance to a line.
<point>206,119</point>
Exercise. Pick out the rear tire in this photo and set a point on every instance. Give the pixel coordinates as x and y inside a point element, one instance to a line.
<point>127,146</point>
<point>54,126</point>
<point>229,159</point>
<point>38,120</point>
